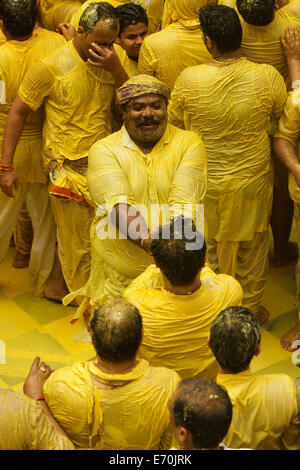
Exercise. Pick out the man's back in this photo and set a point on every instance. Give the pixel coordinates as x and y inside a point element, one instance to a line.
<point>176,327</point>
<point>133,405</point>
<point>229,103</point>
<point>262,44</point>
<point>265,412</point>
<point>166,53</point>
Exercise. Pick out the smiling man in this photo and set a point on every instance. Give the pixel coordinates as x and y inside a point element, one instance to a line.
<point>77,96</point>
<point>149,163</point>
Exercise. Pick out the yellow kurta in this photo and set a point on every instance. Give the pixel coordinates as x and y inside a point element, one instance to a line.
<point>130,66</point>
<point>24,426</point>
<point>174,172</point>
<point>167,53</point>
<point>176,327</point>
<point>53,12</point>
<point>133,406</point>
<point>230,105</point>
<point>262,44</point>
<point>265,412</point>
<point>2,38</point>
<point>289,129</point>
<point>16,58</point>
<point>154,9</point>
<point>77,99</point>
<point>185,11</point>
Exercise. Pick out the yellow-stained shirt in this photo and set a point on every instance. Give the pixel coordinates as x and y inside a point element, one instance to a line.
<point>167,53</point>
<point>24,426</point>
<point>154,9</point>
<point>77,100</point>
<point>230,104</point>
<point>53,12</point>
<point>129,65</point>
<point>16,58</point>
<point>176,327</point>
<point>133,405</point>
<point>289,129</point>
<point>184,11</point>
<point>262,44</point>
<point>265,411</point>
<point>173,173</point>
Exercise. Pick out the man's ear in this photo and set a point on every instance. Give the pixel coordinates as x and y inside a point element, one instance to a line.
<point>80,32</point>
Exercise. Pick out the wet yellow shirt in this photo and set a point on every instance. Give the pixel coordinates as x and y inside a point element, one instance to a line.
<point>24,426</point>
<point>53,12</point>
<point>167,53</point>
<point>229,104</point>
<point>173,173</point>
<point>184,11</point>
<point>262,44</point>
<point>16,58</point>
<point>176,327</point>
<point>130,66</point>
<point>265,412</point>
<point>154,9</point>
<point>133,406</point>
<point>2,38</point>
<point>289,129</point>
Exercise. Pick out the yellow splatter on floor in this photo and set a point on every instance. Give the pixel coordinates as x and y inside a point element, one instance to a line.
<point>31,327</point>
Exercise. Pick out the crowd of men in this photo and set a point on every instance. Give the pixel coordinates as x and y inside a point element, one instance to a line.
<point>119,121</point>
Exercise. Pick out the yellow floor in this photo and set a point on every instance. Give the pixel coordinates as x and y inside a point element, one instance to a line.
<point>32,327</point>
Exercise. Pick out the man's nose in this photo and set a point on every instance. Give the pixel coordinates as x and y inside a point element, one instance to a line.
<point>147,112</point>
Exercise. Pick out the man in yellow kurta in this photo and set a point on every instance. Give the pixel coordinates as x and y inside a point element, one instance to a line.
<point>24,47</point>
<point>134,171</point>
<point>25,421</point>
<point>166,53</point>
<point>263,27</point>
<point>114,401</point>
<point>154,9</point>
<point>265,407</point>
<point>229,102</point>
<point>77,97</point>
<point>178,301</point>
<point>287,147</point>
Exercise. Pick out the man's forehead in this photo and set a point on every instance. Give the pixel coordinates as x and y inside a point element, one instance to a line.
<point>150,97</point>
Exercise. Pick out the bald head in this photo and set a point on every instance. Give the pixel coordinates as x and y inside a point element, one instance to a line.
<point>117,331</point>
<point>204,409</point>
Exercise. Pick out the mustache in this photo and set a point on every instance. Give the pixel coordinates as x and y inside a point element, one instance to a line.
<point>154,121</point>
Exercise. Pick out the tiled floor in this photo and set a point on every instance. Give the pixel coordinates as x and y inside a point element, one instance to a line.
<point>31,327</point>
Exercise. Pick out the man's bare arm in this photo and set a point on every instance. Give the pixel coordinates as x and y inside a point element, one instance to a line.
<point>286,152</point>
<point>13,130</point>
<point>132,224</point>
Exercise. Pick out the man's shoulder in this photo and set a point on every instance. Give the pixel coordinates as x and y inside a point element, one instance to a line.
<point>183,135</point>
<point>112,143</point>
<point>166,376</point>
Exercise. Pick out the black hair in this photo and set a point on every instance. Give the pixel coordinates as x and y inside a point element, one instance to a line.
<point>256,12</point>
<point>117,330</point>
<point>19,16</point>
<point>222,25</point>
<point>235,336</point>
<point>179,251</point>
<point>204,409</point>
<point>130,14</point>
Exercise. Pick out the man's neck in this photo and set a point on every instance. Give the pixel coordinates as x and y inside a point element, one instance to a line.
<point>182,290</point>
<point>114,368</point>
<point>237,54</point>
<point>146,147</point>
